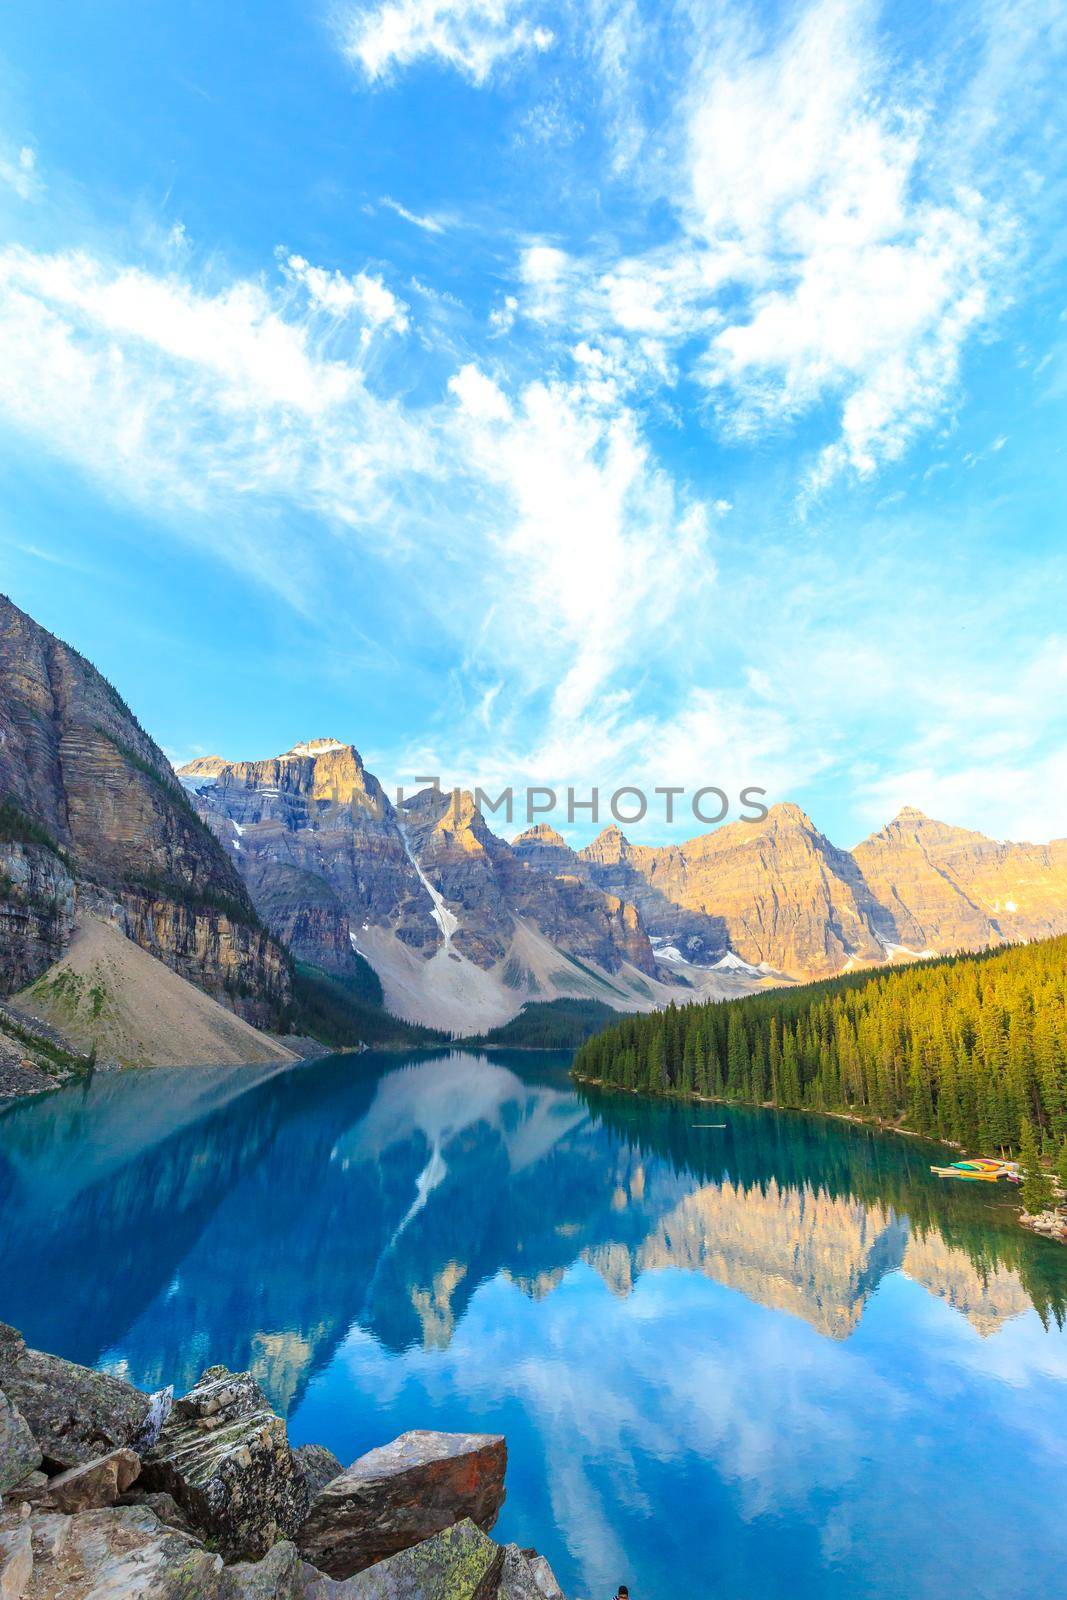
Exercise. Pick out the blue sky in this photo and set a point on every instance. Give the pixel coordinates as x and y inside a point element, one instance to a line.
<point>658,393</point>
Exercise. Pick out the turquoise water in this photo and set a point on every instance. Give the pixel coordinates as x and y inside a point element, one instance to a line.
<point>773,1359</point>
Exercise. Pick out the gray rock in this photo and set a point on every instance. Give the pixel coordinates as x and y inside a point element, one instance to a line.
<point>50,1531</point>
<point>220,1396</point>
<point>95,1483</point>
<point>19,1452</point>
<point>16,1561</point>
<point>32,1487</point>
<point>459,1563</point>
<point>75,1414</point>
<point>121,1553</point>
<point>12,1344</point>
<point>545,1578</point>
<point>317,1466</point>
<point>402,1493</point>
<point>164,1506</point>
<point>517,1581</point>
<point>224,1456</point>
<point>279,1576</point>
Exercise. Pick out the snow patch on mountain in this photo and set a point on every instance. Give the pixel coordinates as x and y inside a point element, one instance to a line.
<point>732,962</point>
<point>906,951</point>
<point>317,747</point>
<point>446,920</point>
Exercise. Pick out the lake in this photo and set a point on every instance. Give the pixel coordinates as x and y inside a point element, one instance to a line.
<point>776,1358</point>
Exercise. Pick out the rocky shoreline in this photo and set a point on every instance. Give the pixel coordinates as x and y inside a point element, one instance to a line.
<point>106,1491</point>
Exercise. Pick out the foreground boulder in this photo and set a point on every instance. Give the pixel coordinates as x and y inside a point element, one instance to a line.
<point>19,1452</point>
<point>402,1493</point>
<point>74,1414</point>
<point>517,1579</point>
<point>125,1553</point>
<point>281,1575</point>
<point>224,1456</point>
<point>459,1563</point>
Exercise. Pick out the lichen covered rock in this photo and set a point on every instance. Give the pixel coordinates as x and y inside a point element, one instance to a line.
<point>19,1451</point>
<point>119,1553</point>
<point>458,1563</point>
<point>224,1457</point>
<point>74,1413</point>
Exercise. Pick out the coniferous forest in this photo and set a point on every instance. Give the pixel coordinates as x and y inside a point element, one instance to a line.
<point>971,1049</point>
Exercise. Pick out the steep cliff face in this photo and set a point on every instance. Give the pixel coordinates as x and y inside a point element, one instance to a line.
<point>100,819</point>
<point>327,857</point>
<point>36,911</point>
<point>775,892</point>
<point>317,842</point>
<point>457,926</point>
<point>492,884</point>
<point>950,889</point>
<point>614,866</point>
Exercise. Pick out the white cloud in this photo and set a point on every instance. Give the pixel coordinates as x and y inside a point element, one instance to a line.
<point>20,172</point>
<point>481,399</point>
<point>602,547</point>
<point>502,318</point>
<point>180,395</point>
<point>364,295</point>
<point>471,36</point>
<point>554,552</point>
<point>427,224</point>
<point>823,256</point>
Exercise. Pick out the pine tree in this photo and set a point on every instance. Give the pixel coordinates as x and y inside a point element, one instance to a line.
<point>972,1047</point>
<point>1036,1190</point>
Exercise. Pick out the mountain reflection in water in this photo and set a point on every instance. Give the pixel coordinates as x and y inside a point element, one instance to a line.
<point>340,1227</point>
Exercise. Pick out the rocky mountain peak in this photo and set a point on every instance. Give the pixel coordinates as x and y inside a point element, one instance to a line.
<point>316,747</point>
<point>450,814</point>
<point>609,847</point>
<point>911,814</point>
<point>203,767</point>
<point>787,814</point>
<point>541,833</point>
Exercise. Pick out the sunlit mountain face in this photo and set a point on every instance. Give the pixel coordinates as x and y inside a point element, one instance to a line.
<point>762,1314</point>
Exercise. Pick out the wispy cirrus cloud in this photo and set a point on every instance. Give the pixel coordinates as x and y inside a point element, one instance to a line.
<point>826,258</point>
<point>549,539</point>
<point>183,396</point>
<point>470,36</point>
<point>428,224</point>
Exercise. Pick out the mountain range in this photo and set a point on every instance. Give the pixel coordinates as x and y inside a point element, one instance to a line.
<point>244,877</point>
<point>462,927</point>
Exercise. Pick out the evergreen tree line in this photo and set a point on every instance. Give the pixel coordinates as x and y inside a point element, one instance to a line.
<point>971,1049</point>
